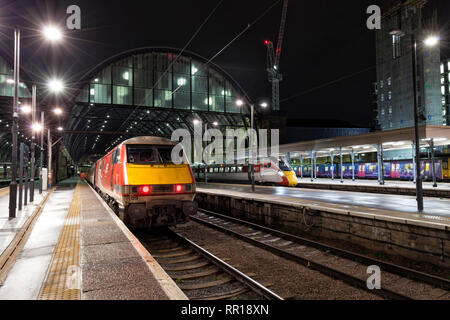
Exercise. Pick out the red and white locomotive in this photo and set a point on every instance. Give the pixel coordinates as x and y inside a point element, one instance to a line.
<point>139,180</point>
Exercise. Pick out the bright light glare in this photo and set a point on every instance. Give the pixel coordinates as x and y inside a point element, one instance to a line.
<point>55,85</point>
<point>26,109</point>
<point>264,105</point>
<point>196,122</point>
<point>431,41</point>
<point>215,123</point>
<point>37,127</point>
<point>239,103</point>
<point>10,81</point>
<point>52,33</point>
<point>60,128</point>
<point>58,111</point>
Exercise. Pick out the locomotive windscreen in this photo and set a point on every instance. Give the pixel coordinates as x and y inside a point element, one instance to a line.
<point>145,154</point>
<point>284,166</point>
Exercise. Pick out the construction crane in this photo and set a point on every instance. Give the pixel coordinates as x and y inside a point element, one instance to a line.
<point>273,60</point>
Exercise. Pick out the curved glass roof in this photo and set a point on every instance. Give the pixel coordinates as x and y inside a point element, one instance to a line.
<point>151,91</point>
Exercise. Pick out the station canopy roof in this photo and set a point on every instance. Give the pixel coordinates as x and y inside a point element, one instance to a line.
<point>151,91</point>
<point>391,140</point>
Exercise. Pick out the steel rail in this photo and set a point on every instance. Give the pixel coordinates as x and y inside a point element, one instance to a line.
<point>238,275</point>
<point>387,266</point>
<point>347,278</point>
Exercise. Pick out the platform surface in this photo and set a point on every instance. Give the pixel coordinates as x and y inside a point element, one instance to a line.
<point>374,183</point>
<point>381,205</point>
<point>9,228</point>
<point>79,249</point>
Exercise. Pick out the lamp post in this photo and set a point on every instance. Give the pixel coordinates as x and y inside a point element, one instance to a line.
<point>53,34</point>
<point>33,137</point>
<point>14,129</point>
<point>430,41</point>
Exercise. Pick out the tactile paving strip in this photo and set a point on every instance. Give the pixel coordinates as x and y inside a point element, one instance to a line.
<point>63,281</point>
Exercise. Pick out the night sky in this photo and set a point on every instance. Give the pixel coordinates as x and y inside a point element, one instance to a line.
<point>325,41</point>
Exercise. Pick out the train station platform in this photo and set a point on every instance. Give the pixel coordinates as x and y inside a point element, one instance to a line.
<point>77,248</point>
<point>373,221</point>
<point>373,186</point>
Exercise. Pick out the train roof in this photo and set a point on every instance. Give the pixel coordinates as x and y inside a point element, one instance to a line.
<point>150,140</point>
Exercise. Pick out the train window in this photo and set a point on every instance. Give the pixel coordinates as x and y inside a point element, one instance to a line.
<point>211,170</point>
<point>269,165</point>
<point>221,170</point>
<point>216,170</point>
<point>145,154</point>
<point>233,169</point>
<point>142,154</point>
<point>116,156</point>
<point>240,169</point>
<point>166,154</point>
<point>284,166</point>
<point>227,169</point>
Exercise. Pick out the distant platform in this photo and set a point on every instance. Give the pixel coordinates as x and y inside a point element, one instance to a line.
<point>397,206</point>
<point>373,186</point>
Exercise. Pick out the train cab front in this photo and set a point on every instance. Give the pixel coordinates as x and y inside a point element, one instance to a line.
<point>291,178</point>
<point>158,192</point>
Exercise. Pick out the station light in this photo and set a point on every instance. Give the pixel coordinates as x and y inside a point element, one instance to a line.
<point>37,127</point>
<point>181,82</point>
<point>55,85</point>
<point>10,81</point>
<point>60,128</point>
<point>58,111</point>
<point>196,122</point>
<point>264,105</point>
<point>52,33</point>
<point>26,109</point>
<point>215,123</point>
<point>431,41</point>
<point>239,103</point>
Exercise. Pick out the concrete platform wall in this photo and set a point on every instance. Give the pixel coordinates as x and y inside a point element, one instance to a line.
<point>415,242</point>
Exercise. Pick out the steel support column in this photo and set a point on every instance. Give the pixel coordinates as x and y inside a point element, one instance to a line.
<point>332,165</point>
<point>414,162</point>
<point>41,160</point>
<point>20,175</point>
<point>380,165</point>
<point>342,167</point>
<point>353,165</point>
<point>15,127</point>
<point>301,167</point>
<point>49,165</point>
<point>433,163</point>
<point>33,138</point>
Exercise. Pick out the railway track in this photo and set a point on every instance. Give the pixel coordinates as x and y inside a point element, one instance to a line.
<point>200,274</point>
<point>397,282</point>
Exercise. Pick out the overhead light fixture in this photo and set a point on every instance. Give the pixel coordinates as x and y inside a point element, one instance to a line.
<point>52,33</point>
<point>26,109</point>
<point>55,85</point>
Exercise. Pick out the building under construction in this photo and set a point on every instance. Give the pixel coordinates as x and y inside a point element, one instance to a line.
<point>394,86</point>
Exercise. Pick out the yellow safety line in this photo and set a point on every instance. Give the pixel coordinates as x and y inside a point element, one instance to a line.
<point>63,281</point>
